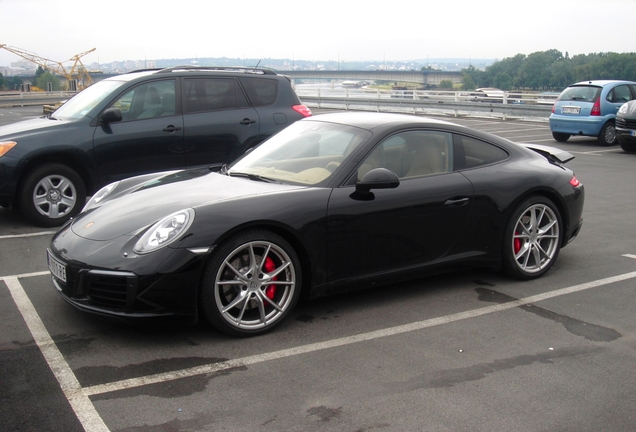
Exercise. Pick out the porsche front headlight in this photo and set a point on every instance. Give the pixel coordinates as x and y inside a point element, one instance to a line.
<point>623,108</point>
<point>164,232</point>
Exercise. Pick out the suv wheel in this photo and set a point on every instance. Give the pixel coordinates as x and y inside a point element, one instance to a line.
<point>607,137</point>
<point>51,194</point>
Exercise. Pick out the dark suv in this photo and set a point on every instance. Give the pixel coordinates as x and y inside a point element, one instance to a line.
<point>136,123</point>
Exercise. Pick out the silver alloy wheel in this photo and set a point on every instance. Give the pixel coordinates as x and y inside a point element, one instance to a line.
<point>610,134</point>
<point>54,196</point>
<point>255,285</point>
<point>535,239</point>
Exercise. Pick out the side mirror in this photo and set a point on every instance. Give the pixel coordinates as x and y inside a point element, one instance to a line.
<point>111,115</point>
<point>378,178</point>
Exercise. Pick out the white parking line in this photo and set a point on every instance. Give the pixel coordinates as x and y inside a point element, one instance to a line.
<point>81,404</point>
<point>41,233</point>
<point>78,396</point>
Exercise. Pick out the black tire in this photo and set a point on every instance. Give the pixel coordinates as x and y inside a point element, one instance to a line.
<point>243,294</point>
<point>607,137</point>
<point>51,194</point>
<point>627,146</point>
<point>560,137</point>
<point>532,239</point>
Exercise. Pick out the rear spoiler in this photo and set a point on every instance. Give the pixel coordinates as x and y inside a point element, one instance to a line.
<point>551,153</point>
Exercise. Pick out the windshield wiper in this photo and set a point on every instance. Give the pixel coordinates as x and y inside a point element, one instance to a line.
<point>252,177</point>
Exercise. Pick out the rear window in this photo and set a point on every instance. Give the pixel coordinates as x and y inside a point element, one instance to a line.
<point>471,152</point>
<point>580,93</point>
<point>260,91</point>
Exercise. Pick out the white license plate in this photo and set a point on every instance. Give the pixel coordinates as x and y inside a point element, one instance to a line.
<point>632,132</point>
<point>57,268</point>
<point>571,110</point>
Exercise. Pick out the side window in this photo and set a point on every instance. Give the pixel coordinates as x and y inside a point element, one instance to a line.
<point>211,94</point>
<point>260,91</point>
<point>412,154</point>
<point>620,94</point>
<point>471,152</point>
<point>153,99</point>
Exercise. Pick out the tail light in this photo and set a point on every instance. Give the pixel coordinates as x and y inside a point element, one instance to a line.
<point>575,182</point>
<point>596,108</point>
<point>553,107</point>
<point>302,109</point>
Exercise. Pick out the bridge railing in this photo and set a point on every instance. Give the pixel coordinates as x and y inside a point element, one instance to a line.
<point>457,103</point>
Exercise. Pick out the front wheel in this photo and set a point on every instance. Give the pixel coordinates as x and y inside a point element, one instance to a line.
<point>532,239</point>
<point>51,194</point>
<point>627,146</point>
<point>251,283</point>
<point>607,137</point>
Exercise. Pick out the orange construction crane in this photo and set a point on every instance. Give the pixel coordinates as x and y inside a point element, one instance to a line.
<point>76,74</point>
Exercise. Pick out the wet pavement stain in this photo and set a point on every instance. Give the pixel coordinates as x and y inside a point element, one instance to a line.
<point>94,375</point>
<point>200,423</point>
<point>170,389</point>
<point>324,413</point>
<point>305,318</point>
<point>451,377</point>
<point>575,326</point>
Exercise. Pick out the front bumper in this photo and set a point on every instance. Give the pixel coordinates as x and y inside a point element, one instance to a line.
<point>163,283</point>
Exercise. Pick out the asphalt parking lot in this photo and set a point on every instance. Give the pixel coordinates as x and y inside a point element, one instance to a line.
<point>470,351</point>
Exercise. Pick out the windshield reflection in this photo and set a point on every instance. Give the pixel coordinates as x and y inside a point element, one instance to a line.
<point>83,102</point>
<point>307,152</point>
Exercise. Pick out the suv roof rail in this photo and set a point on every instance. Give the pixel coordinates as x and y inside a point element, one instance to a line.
<point>254,70</point>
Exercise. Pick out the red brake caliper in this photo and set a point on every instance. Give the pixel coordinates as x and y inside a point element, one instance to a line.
<point>270,291</point>
<point>517,244</point>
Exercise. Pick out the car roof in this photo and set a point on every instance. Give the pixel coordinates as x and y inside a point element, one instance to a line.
<point>601,83</point>
<point>372,120</point>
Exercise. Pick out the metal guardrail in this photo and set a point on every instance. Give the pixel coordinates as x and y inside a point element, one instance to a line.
<point>505,105</point>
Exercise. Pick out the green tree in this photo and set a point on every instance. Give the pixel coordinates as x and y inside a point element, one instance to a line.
<point>503,81</point>
<point>2,82</point>
<point>446,84</point>
<point>467,82</point>
<point>48,77</point>
<point>38,73</point>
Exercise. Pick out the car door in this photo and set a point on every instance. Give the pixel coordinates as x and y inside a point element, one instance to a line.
<point>404,227</point>
<point>617,96</point>
<point>149,137</point>
<point>219,123</point>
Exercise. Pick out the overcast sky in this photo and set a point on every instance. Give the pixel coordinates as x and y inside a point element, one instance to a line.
<point>313,30</point>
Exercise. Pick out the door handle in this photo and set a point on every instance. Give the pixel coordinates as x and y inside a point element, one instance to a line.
<point>456,202</point>
<point>171,128</point>
<point>247,121</point>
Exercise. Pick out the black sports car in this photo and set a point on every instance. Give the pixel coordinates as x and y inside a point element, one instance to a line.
<point>332,202</point>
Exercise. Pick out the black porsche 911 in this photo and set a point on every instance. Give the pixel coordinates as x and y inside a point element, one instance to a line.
<point>332,202</point>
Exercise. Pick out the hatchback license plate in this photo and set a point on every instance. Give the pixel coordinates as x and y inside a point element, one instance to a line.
<point>571,110</point>
<point>57,268</point>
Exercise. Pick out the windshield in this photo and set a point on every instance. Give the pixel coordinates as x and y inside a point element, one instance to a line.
<point>307,152</point>
<point>580,93</point>
<point>83,102</point>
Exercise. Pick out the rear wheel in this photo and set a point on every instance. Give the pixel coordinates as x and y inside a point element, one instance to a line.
<point>607,137</point>
<point>532,239</point>
<point>560,137</point>
<point>251,283</point>
<point>51,194</point>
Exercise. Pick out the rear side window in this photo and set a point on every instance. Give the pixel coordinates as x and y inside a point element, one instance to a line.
<point>212,94</point>
<point>471,152</point>
<point>260,91</point>
<point>580,93</point>
<point>620,94</point>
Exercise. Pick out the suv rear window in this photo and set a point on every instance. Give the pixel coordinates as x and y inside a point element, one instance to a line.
<point>580,93</point>
<point>260,91</point>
